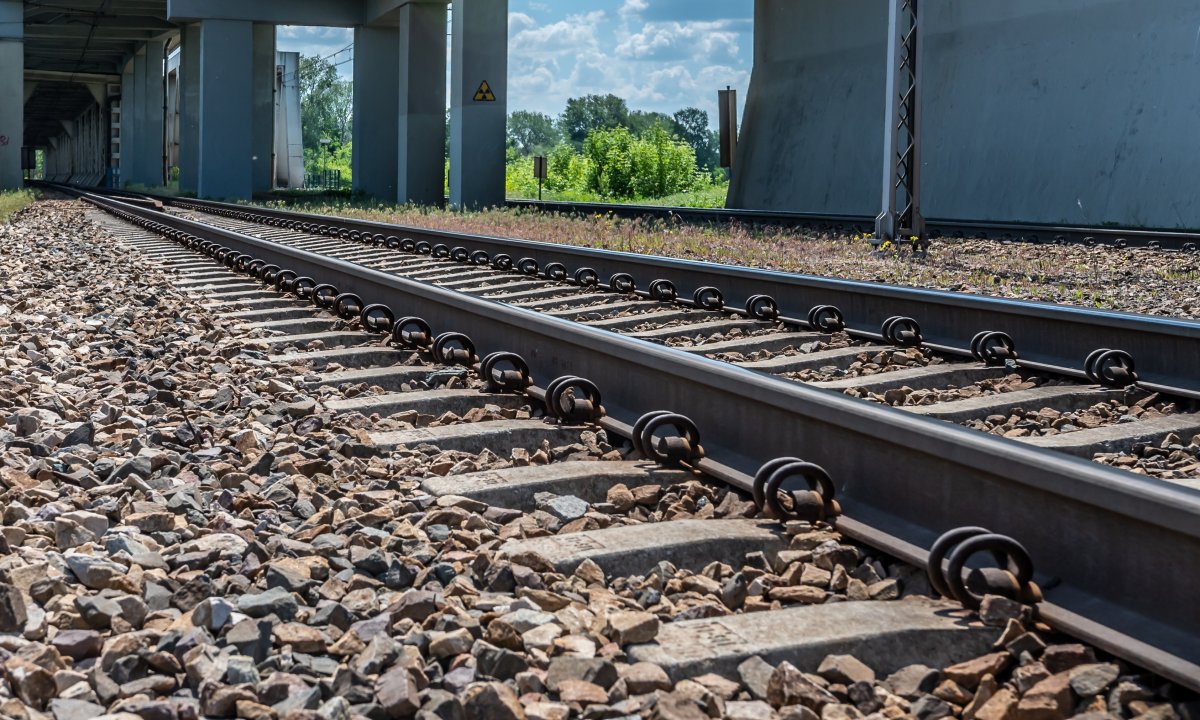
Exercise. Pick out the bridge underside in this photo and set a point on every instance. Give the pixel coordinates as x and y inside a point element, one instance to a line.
<point>90,85</point>
<point>1059,111</point>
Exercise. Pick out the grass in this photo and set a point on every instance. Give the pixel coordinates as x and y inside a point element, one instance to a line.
<point>13,201</point>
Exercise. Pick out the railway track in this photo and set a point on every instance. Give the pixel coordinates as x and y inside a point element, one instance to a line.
<point>900,480</point>
<point>981,392</point>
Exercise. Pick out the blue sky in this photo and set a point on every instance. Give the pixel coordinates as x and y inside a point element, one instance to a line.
<point>657,54</point>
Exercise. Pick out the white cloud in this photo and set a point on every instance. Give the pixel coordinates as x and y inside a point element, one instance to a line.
<point>518,21</point>
<point>572,34</point>
<point>659,55</point>
<point>633,7</point>
<point>677,40</point>
<point>320,42</point>
<point>661,66</point>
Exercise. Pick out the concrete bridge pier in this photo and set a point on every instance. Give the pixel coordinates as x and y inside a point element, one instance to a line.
<point>376,111</point>
<point>236,110</point>
<point>478,102</point>
<point>189,108</point>
<point>399,96</point>
<point>142,116</point>
<point>12,85</point>
<point>400,106</point>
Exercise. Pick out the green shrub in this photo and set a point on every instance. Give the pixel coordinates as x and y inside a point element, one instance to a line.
<point>652,166</point>
<point>617,165</point>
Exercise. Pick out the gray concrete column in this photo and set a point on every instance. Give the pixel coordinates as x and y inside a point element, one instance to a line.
<point>189,108</point>
<point>153,115</point>
<point>375,155</point>
<point>12,92</point>
<point>226,106</point>
<point>479,54</point>
<point>263,122</point>
<point>130,92</point>
<point>422,104</point>
<point>147,115</point>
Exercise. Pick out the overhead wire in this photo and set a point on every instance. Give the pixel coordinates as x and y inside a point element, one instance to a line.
<point>287,77</point>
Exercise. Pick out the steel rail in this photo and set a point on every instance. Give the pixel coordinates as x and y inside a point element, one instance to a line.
<point>1116,552</point>
<point>1158,238</point>
<point>1058,338</point>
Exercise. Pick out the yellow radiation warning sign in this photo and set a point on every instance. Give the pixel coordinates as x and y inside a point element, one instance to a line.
<point>484,93</point>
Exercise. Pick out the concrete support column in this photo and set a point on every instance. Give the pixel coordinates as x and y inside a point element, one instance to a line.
<point>12,92</point>
<point>130,97</point>
<point>146,112</point>
<point>154,114</point>
<point>375,154</point>
<point>226,148</point>
<point>479,55</point>
<point>422,104</point>
<point>263,122</point>
<point>189,108</point>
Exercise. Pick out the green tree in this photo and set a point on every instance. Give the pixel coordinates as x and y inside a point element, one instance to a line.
<point>662,165</point>
<point>565,168</point>
<point>691,125</point>
<point>592,112</point>
<point>326,103</point>
<point>640,121</point>
<point>532,132</point>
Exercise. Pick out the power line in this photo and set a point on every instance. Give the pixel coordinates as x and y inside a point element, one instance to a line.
<point>287,77</point>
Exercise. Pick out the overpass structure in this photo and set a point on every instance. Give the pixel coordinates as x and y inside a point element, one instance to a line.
<point>1080,112</point>
<point>88,84</point>
<point>1076,112</point>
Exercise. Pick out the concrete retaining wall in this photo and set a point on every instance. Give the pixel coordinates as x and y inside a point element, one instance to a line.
<point>1073,111</point>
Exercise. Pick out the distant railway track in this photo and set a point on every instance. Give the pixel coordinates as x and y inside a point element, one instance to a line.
<point>1037,233</point>
<point>900,479</point>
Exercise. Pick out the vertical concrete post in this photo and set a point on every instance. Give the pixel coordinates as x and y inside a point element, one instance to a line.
<point>189,108</point>
<point>263,122</point>
<point>130,91</point>
<point>289,140</point>
<point>12,92</point>
<point>146,113</point>
<point>374,155</point>
<point>69,148</point>
<point>478,102</point>
<point>225,111</point>
<point>422,104</point>
<point>136,140</point>
<point>150,123</point>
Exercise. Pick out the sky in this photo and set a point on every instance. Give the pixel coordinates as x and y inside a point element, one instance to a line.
<point>659,55</point>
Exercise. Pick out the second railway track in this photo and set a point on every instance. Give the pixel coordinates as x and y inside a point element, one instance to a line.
<point>1034,403</point>
<point>901,480</point>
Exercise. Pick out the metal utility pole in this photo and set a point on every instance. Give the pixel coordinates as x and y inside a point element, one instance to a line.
<point>539,172</point>
<point>325,163</point>
<point>901,215</point>
<point>728,124</point>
